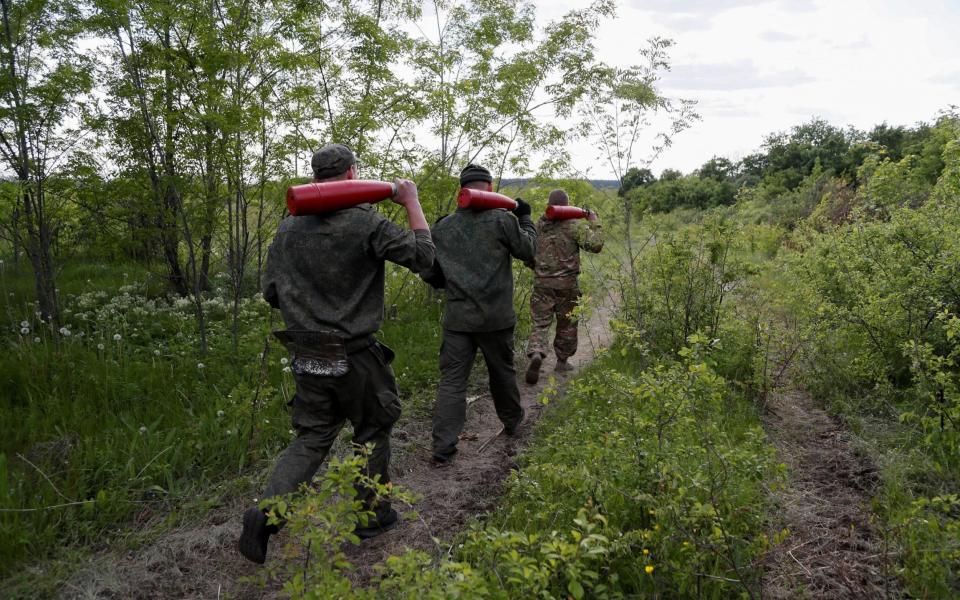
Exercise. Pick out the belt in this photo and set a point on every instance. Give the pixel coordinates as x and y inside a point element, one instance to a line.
<point>359,344</point>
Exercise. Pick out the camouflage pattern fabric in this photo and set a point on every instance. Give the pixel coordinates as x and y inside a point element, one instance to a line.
<point>474,252</point>
<point>545,304</point>
<point>367,396</point>
<point>555,287</point>
<point>557,262</point>
<point>326,272</point>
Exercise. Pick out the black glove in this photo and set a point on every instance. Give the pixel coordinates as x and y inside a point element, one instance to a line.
<point>523,209</point>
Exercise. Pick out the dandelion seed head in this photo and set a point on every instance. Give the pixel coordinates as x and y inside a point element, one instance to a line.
<point>143,429</point>
<point>284,360</point>
<point>117,337</point>
<point>24,331</point>
<point>36,339</point>
<point>286,369</point>
<point>24,324</point>
<point>219,413</point>
<point>64,332</point>
<point>201,366</point>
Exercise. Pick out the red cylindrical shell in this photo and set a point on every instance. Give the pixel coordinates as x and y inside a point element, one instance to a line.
<point>562,213</point>
<point>480,200</point>
<point>318,198</point>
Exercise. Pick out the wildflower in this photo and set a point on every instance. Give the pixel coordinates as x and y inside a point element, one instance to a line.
<point>266,421</point>
<point>117,337</point>
<point>143,429</point>
<point>36,339</point>
<point>156,353</point>
<point>229,432</point>
<point>286,369</point>
<point>648,569</point>
<point>64,332</point>
<point>81,334</point>
<point>25,331</point>
<point>646,552</point>
<point>24,324</point>
<point>201,366</point>
<point>284,360</point>
<point>219,414</point>
<point>100,346</point>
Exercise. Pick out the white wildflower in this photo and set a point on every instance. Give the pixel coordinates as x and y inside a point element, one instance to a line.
<point>99,346</point>
<point>117,337</point>
<point>284,360</point>
<point>64,332</point>
<point>24,324</point>
<point>201,366</point>
<point>229,432</point>
<point>36,339</point>
<point>219,414</point>
<point>143,429</point>
<point>25,331</point>
<point>286,369</point>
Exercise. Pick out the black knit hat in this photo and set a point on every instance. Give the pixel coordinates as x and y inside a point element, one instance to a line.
<point>332,160</point>
<point>472,172</point>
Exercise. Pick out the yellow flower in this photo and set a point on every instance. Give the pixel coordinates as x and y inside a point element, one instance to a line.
<point>648,569</point>
<point>646,552</point>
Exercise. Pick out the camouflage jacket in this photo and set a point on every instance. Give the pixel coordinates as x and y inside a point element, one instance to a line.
<point>326,272</point>
<point>557,263</point>
<point>474,250</point>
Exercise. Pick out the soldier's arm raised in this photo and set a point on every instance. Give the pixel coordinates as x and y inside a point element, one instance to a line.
<point>520,236</point>
<point>411,249</point>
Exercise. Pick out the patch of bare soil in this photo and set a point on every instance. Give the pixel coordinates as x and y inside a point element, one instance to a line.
<point>832,550</point>
<point>201,561</point>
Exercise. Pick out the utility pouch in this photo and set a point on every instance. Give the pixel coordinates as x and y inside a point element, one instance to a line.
<point>320,353</point>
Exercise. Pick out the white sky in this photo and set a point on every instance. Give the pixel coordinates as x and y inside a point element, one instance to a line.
<point>759,67</point>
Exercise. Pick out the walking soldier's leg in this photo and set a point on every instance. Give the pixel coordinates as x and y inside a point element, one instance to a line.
<point>497,348</point>
<point>565,341</point>
<point>373,408</point>
<point>541,311</point>
<point>317,421</point>
<point>456,359</point>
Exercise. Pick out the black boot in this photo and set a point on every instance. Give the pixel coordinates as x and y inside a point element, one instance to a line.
<point>256,534</point>
<point>533,371</point>
<point>375,527</point>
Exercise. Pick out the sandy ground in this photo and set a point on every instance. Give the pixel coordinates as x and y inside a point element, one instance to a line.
<point>201,561</point>
<point>832,550</point>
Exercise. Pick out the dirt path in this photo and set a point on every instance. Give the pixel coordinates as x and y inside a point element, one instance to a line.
<point>832,550</point>
<point>201,561</point>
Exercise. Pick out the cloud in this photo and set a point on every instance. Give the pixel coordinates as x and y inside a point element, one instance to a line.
<point>715,7</point>
<point>683,23</point>
<point>737,75</point>
<point>951,79</point>
<point>779,36</point>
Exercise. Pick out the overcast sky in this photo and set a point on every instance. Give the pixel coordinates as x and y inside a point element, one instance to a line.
<point>758,67</point>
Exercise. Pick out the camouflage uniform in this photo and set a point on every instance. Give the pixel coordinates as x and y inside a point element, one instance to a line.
<point>474,250</point>
<point>326,273</point>
<point>555,288</point>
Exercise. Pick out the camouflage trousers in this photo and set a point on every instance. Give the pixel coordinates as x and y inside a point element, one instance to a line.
<point>367,397</point>
<point>545,304</point>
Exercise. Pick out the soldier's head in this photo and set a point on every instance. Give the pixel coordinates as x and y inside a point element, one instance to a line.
<point>334,162</point>
<point>558,198</point>
<point>476,177</point>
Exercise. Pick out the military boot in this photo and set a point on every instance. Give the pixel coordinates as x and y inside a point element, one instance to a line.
<point>563,366</point>
<point>256,534</point>
<point>533,371</point>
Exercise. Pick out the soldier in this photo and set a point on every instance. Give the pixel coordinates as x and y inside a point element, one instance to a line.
<point>555,288</point>
<point>326,275</point>
<point>474,250</point>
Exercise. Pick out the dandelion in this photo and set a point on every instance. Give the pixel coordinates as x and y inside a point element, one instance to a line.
<point>64,332</point>
<point>284,360</point>
<point>646,552</point>
<point>36,339</point>
<point>219,414</point>
<point>117,337</point>
<point>201,366</point>
<point>229,432</point>
<point>286,369</point>
<point>648,569</point>
<point>24,324</point>
<point>156,353</point>
<point>25,331</point>
<point>143,429</point>
<point>266,421</point>
<point>100,346</point>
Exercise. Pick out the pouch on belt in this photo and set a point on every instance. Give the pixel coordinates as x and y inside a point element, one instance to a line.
<point>321,353</point>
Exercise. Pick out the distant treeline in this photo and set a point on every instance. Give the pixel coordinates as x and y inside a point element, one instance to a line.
<point>787,159</point>
<point>522,182</point>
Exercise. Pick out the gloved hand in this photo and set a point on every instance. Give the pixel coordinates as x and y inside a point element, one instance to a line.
<point>523,209</point>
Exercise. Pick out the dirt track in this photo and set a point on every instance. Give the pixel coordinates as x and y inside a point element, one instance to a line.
<point>201,561</point>
<point>832,550</point>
